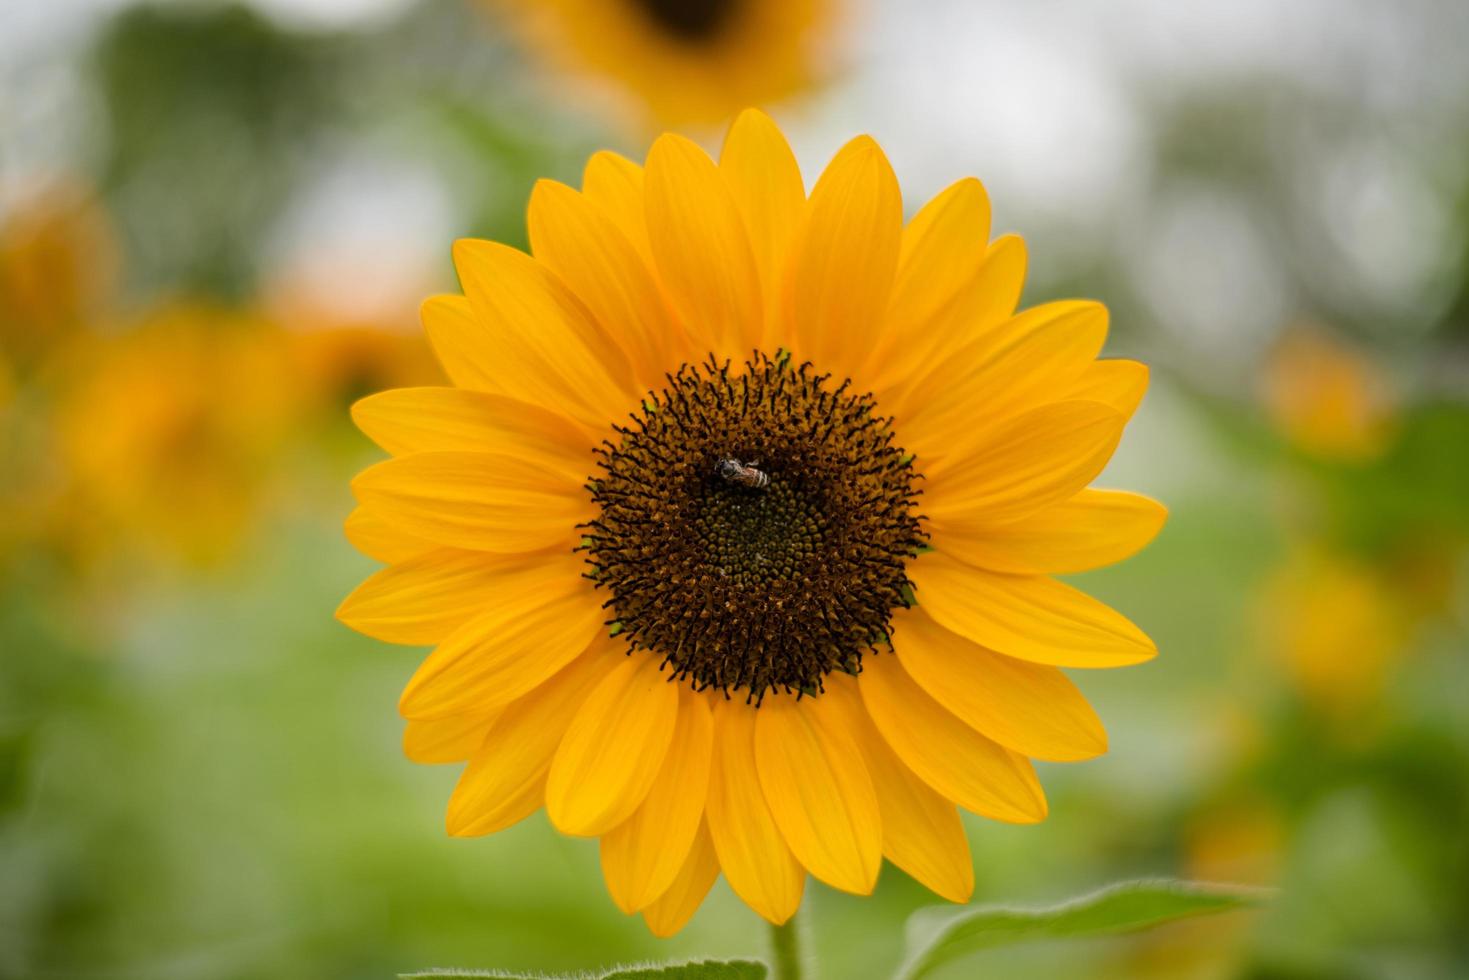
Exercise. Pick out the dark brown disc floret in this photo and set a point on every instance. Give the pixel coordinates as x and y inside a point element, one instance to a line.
<point>692,22</point>
<point>755,527</point>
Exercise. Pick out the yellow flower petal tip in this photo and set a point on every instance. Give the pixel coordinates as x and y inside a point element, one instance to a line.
<point>754,117</point>
<point>674,480</point>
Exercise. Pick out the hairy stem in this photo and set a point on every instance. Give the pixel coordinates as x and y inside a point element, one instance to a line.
<point>785,950</point>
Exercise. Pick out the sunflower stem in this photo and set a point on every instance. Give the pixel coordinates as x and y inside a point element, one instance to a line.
<point>785,950</point>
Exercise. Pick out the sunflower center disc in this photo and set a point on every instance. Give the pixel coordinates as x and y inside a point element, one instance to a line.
<point>692,21</point>
<point>755,527</point>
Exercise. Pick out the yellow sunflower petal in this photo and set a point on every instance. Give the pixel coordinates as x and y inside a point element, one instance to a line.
<point>615,184</point>
<point>1035,460</point>
<point>701,248</point>
<point>424,599</point>
<point>484,501</point>
<point>424,420</point>
<point>381,539</point>
<point>765,179</point>
<point>673,909</point>
<point>845,257</point>
<point>506,777</point>
<point>818,790</point>
<point>1118,383</point>
<point>754,856</point>
<point>1028,707</point>
<point>942,250</point>
<point>584,246</point>
<point>452,738</point>
<point>1044,349</point>
<point>496,813</point>
<point>1092,529</point>
<point>613,750</point>
<point>902,376</point>
<point>995,292</point>
<point>957,761</point>
<point>642,855</point>
<point>921,830</point>
<point>1034,618</point>
<point>531,628</point>
<point>545,347</point>
<point>461,343</point>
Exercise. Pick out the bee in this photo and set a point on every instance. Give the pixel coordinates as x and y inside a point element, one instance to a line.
<point>745,475</point>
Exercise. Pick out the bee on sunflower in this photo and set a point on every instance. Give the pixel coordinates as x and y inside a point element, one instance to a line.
<point>735,530</point>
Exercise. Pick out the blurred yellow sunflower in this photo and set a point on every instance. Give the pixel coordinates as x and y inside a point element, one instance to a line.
<point>341,362</point>
<point>703,449</point>
<point>337,360</point>
<point>166,431</point>
<point>1340,626</point>
<point>59,264</point>
<point>682,61</point>
<point>1328,398</point>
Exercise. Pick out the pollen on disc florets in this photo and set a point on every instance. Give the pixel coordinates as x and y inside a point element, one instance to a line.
<point>755,526</point>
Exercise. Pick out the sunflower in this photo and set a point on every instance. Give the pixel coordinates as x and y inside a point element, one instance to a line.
<point>339,360</point>
<point>735,531</point>
<point>1327,398</point>
<point>682,61</point>
<point>1340,627</point>
<point>165,433</point>
<point>59,266</point>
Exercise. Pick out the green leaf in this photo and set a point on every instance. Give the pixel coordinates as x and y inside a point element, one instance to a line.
<point>701,970</point>
<point>937,936</point>
<point>704,970</point>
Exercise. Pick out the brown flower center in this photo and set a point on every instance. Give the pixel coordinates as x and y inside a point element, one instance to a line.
<point>755,528</point>
<point>690,21</point>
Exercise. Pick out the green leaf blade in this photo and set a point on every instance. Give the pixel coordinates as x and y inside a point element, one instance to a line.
<point>700,970</point>
<point>941,936</point>
<point>705,970</point>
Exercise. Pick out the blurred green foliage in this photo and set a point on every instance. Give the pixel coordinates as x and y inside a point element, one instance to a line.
<point>212,116</point>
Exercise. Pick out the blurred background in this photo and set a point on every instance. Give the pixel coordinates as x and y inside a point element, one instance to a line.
<point>217,221</point>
